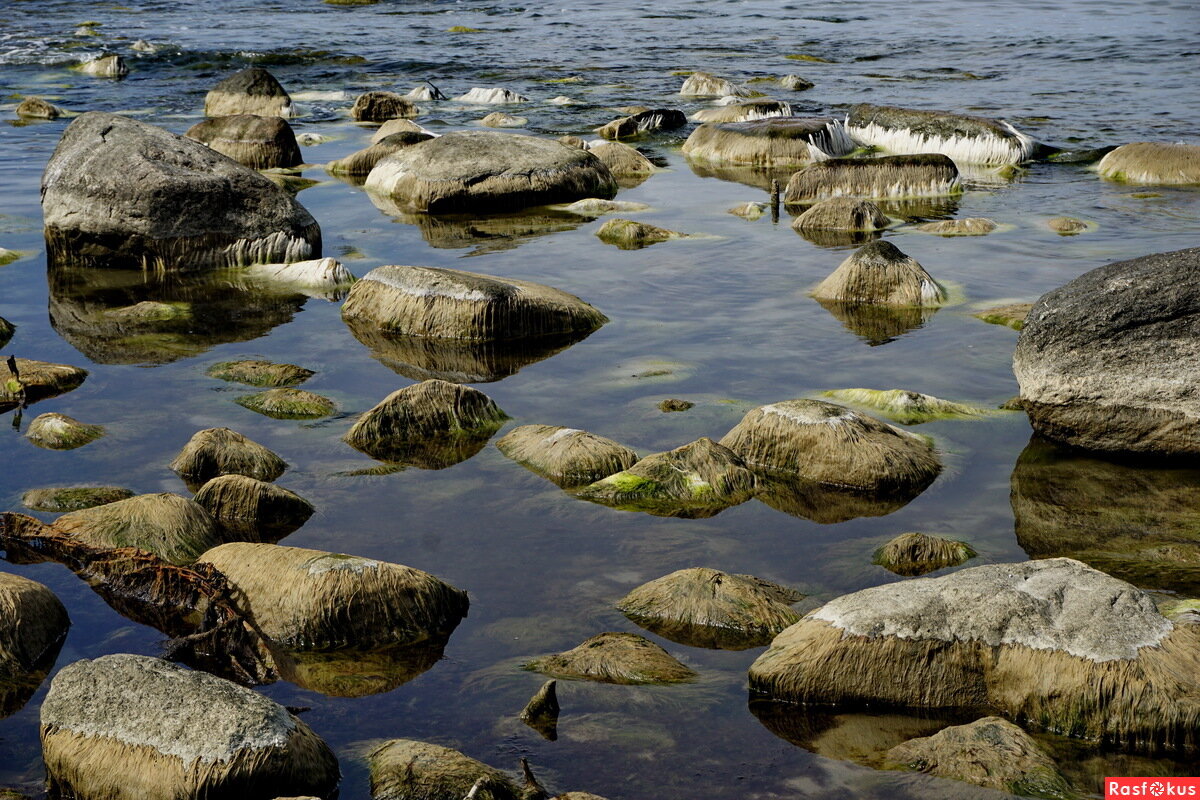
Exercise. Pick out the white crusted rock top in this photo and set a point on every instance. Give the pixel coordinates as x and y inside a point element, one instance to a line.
<point>1053,604</point>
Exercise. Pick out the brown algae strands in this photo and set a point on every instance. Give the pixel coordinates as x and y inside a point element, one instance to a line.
<point>964,138</point>
<point>883,178</point>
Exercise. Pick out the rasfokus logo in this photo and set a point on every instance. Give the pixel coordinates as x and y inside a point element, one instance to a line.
<point>1151,787</point>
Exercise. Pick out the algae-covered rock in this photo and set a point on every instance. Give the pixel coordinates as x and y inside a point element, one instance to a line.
<point>405,769</point>
<point>493,96</point>
<point>381,106</point>
<point>1066,226</point>
<point>251,91</point>
<point>254,509</point>
<point>127,727</point>
<point>614,658</point>
<point>924,175</point>
<point>880,273</point>
<point>968,226</point>
<point>260,373</point>
<point>567,456</point>
<point>36,380</point>
<point>917,553</point>
<point>647,121</point>
<point>628,234</point>
<point>1153,163</point>
<point>964,138</point>
<point>702,84</point>
<point>288,403</point>
<point>705,607</point>
<point>105,66</point>
<point>257,142</point>
<point>33,625</point>
<point>990,752</point>
<point>696,480</point>
<point>60,432</point>
<point>221,451</point>
<point>770,142</point>
<point>1011,315</point>
<point>541,712</point>
<point>842,214</point>
<point>73,498</point>
<point>171,527</point>
<point>622,160</point>
<point>672,405</point>
<point>37,108</point>
<point>314,600</point>
<point>905,407</point>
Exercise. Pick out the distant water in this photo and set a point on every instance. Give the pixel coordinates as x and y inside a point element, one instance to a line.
<point>724,322</point>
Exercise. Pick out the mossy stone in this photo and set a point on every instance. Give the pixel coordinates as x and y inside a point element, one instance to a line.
<point>260,373</point>
<point>288,403</point>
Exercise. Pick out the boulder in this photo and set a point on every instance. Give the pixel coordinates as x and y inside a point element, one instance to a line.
<point>917,553</point>
<point>405,769</point>
<point>541,712</point>
<point>393,126</point>
<point>705,607</point>
<point>259,373</point>
<point>966,139</point>
<point>648,121</point>
<point>37,108</point>
<point>842,214</point>
<point>968,226</point>
<point>622,160</point>
<point>105,66</point>
<point>314,600</point>
<point>1053,643</point>
<point>220,451</point>
<point>433,424</point>
<point>256,142</point>
<point>498,119</point>
<point>879,273</point>
<point>624,658</point>
<point>251,91</point>
<point>1103,361</point>
<point>1066,226</point>
<point>1011,315</point>
<point>288,403</point>
<point>381,106</point>
<point>834,446</point>
<point>171,527</point>
<point>567,456</point>
<point>905,407</point>
<point>466,306</point>
<point>321,277</point>
<point>927,175</point>
<point>128,727</point>
<point>118,192</point>
<point>36,380</point>
<point>488,170</point>
<point>60,432</point>
<point>770,142</point>
<point>750,210</point>
<point>795,83</point>
<point>494,96</point>
<point>702,84</point>
<point>630,235</point>
<point>33,626</point>
<point>989,752</point>
<point>699,479</point>
<point>1152,163</point>
<point>742,112</point>
<point>254,509</point>
<point>73,498</point>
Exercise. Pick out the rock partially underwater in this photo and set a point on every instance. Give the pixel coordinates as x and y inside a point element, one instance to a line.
<point>918,553</point>
<point>256,142</point>
<point>259,373</point>
<point>493,96</point>
<point>629,234</point>
<point>774,141</point>
<point>171,527</point>
<point>381,106</point>
<point>1153,163</point>
<point>288,403</point>
<point>567,456</point>
<point>626,163</point>
<point>744,112</point>
<point>37,108</point>
<point>118,192</point>
<point>841,214</point>
<point>360,163</point>
<point>251,91</point>
<point>650,121</point>
<point>702,84</point>
<point>405,769</point>
<point>33,626</point>
<point>624,658</point>
<point>73,498</point>
<point>964,138</point>
<point>60,432</point>
<point>109,65</point>
<point>905,407</point>
<point>255,510</point>
<point>926,175</point>
<point>880,273</point>
<point>970,226</point>
<point>36,380</point>
<point>221,451</point>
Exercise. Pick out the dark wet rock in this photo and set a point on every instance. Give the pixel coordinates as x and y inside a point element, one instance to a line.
<point>905,407</point>
<point>567,456</point>
<point>1099,360</point>
<point>1038,641</point>
<point>405,769</point>
<point>623,161</point>
<point>37,108</point>
<point>493,96</point>
<point>1084,156</point>
<point>259,373</point>
<point>967,139</point>
<point>670,405</point>
<point>251,91</point>
<point>614,658</point>
<point>918,553</point>
<point>1011,315</point>
<point>73,498</point>
<point>774,141</point>
<point>648,121</point>
<point>1066,226</point>
<point>171,527</point>
<point>253,509</point>
<point>314,600</point>
<point>106,66</point>
<point>541,712</point>
<point>488,170</point>
<point>990,752</point>
<point>37,380</point>
<point>381,106</point>
<point>831,445</point>
<point>704,607</point>
<point>125,727</point>
<point>32,630</point>
<point>628,234</point>
<point>969,226</point>
<point>925,175</point>
<point>60,432</point>
<point>702,84</point>
<point>795,83</point>
<point>743,112</point>
<point>118,192</point>
<point>288,403</point>
<point>257,142</point>
<point>1153,163</point>
<point>498,119</point>
<point>221,451</point>
<point>842,214</point>
<point>880,273</point>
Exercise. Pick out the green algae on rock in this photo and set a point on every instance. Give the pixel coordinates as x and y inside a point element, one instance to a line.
<point>73,498</point>
<point>60,432</point>
<point>624,658</point>
<point>905,407</point>
<point>567,456</point>
<point>221,451</point>
<point>918,553</point>
<point>171,527</point>
<point>630,235</point>
<point>37,380</point>
<point>1011,315</point>
<point>288,403</point>
<point>260,373</point>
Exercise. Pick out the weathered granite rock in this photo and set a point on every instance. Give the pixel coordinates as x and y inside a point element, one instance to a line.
<point>567,456</point>
<point>221,451</point>
<point>964,138</point>
<point>743,112</point>
<point>622,160</point>
<point>702,84</point>
<point>923,175</point>
<point>774,141</point>
<point>251,91</point>
<point>256,142</point>
<point>381,106</point>
<point>880,273</point>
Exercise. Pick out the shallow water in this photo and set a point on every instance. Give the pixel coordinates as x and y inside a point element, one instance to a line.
<point>727,317</point>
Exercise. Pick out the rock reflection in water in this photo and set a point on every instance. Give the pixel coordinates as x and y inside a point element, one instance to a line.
<point>358,673</point>
<point>827,505</point>
<point>136,317</point>
<point>876,323</point>
<point>758,177</point>
<point>837,239</point>
<point>1137,521</point>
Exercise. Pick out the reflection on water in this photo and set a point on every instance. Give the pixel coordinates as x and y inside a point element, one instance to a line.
<point>357,673</point>
<point>877,323</point>
<point>828,505</point>
<point>758,177</point>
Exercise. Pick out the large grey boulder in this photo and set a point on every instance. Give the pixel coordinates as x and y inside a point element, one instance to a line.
<point>488,170</point>
<point>127,727</point>
<point>118,192</point>
<point>1109,361</point>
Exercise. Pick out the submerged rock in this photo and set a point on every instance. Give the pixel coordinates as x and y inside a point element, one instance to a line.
<point>171,527</point>
<point>487,170</point>
<point>990,752</point>
<point>465,306</point>
<point>1038,641</point>
<point>37,108</point>
<point>648,121</point>
<point>37,380</point>
<point>128,727</point>
<point>321,277</point>
<point>1105,362</point>
<point>259,373</point>
<point>671,405</point>
<point>541,712</point>
<point>106,66</point>
<point>498,119</point>
<point>1012,315</point>
<point>795,83</point>
<point>381,106</point>
<point>254,509</point>
<point>433,424</point>
<point>622,160</point>
<point>287,403</point>
<point>1066,226</point>
<point>595,207</point>
<point>118,192</point>
<point>314,600</point>
<point>73,498</point>
<point>32,629</point>
<point>394,126</point>
<point>774,141</point>
<point>494,96</point>
<point>969,226</point>
<point>221,451</point>
<point>742,112</point>
<point>630,235</point>
<point>750,211</point>
<point>707,608</point>
<point>926,175</point>
<point>1152,163</point>
<point>614,658</point>
<point>964,138</point>
<point>828,444</point>
<point>60,432</point>
<point>842,214</point>
<point>905,407</point>
<point>879,273</point>
<point>405,769</point>
<point>567,456</point>
<point>702,84</point>
<point>917,553</point>
<point>257,142</point>
<point>251,91</point>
